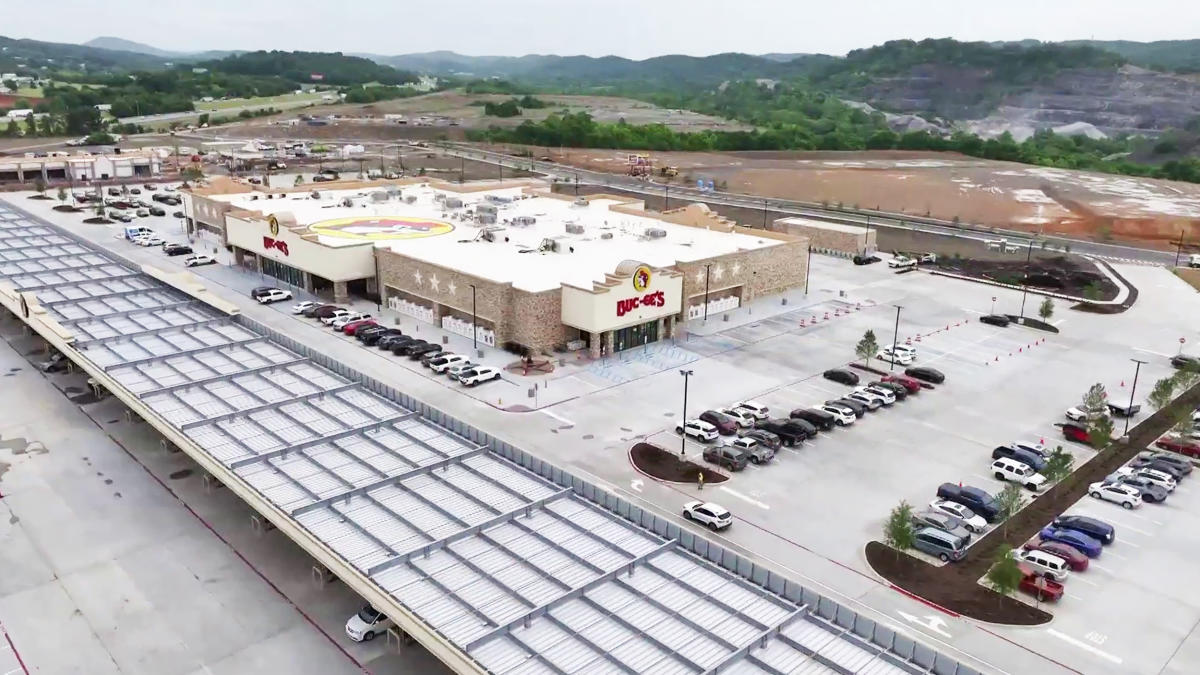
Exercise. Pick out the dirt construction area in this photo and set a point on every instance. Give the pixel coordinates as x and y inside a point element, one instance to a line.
<point>941,185</point>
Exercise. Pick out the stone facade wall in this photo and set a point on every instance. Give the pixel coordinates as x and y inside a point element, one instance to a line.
<point>828,237</point>
<point>753,273</point>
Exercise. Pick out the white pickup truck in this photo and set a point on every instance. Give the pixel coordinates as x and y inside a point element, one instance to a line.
<point>902,262</point>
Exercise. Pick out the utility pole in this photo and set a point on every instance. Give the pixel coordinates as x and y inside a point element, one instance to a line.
<point>1137,369</point>
<point>707,269</point>
<point>683,424</point>
<point>764,214</point>
<point>1179,248</point>
<point>895,341</point>
<point>666,197</point>
<point>1025,281</point>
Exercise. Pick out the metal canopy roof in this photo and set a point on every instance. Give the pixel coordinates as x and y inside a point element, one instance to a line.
<point>523,576</point>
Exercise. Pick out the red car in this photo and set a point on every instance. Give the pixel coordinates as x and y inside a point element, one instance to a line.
<point>1037,585</point>
<point>911,384</point>
<point>1075,560</point>
<point>350,328</point>
<point>1177,444</point>
<point>1074,432</point>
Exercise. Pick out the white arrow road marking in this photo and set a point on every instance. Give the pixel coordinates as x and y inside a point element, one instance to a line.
<point>636,484</point>
<point>933,622</point>
<point>1085,646</point>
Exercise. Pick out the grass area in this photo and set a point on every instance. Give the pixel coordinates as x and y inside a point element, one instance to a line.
<point>1190,275</point>
<point>258,101</point>
<point>30,92</point>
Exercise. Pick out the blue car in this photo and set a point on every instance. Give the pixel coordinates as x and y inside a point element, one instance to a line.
<point>1073,538</point>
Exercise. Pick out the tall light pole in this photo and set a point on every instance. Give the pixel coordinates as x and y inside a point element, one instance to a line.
<point>707,269</point>
<point>1025,280</point>
<point>1137,369</point>
<point>683,436</point>
<point>474,329</point>
<point>1179,248</point>
<point>895,340</point>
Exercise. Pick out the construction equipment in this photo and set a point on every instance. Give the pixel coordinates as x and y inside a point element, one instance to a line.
<point>639,164</point>
<point>669,171</point>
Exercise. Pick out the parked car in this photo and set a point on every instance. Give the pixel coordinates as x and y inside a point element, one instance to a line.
<point>856,407</point>
<point>889,395</point>
<point>871,401</point>
<point>945,546</point>
<point>367,624</point>
<point>149,240</point>
<point>57,363</point>
<point>364,333</point>
<point>898,390</point>
<point>801,426</point>
<point>1159,478</point>
<point>478,375</point>
<point>759,454</point>
<point>973,498</point>
<point>818,418</point>
<point>135,191</point>
<point>1092,527</point>
<point>713,516</point>
<point>740,417</point>
<point>177,249</point>
<point>143,213</point>
<point>926,374</point>
<point>764,438</point>
<point>1011,470</point>
<point>1086,545</point>
<point>895,355</point>
<point>1116,492</point>
<point>1078,414</point>
<point>1123,409</point>
<point>726,456</point>
<point>885,397</point>
<point>311,312</point>
<point>352,327</point>
<point>1024,456</point>
<point>788,435</point>
<point>1046,564</point>
<point>395,343</point>
<point>1031,447</point>
<point>911,384</point>
<point>303,306</point>
<point>697,429</point>
<point>973,522</point>
<point>373,339</point>
<point>400,347</point>
<point>1180,361</point>
<point>444,361</point>
<point>156,211</point>
<point>1170,468</point>
<point>1184,466</point>
<point>1074,432</point>
<point>1038,585</point>
<point>1183,446</point>
<point>757,410</point>
<point>842,416</point>
<point>349,317</point>
<point>198,260</point>
<point>842,376</point>
<point>415,352</point>
<point>428,357</point>
<point>725,424</point>
<point>336,315</point>
<point>999,320</point>
<point>1149,492</point>
<point>459,368</point>
<point>901,262</point>
<point>1077,561</point>
<point>177,214</point>
<point>274,295</point>
<point>941,521</point>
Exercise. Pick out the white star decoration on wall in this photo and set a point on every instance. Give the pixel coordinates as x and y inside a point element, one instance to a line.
<point>417,276</point>
<point>453,288</point>
<point>700,277</point>
<point>718,272</point>
<point>736,267</point>
<point>434,283</point>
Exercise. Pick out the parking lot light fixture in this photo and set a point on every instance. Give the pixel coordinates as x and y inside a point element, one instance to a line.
<point>895,340</point>
<point>686,373</point>
<point>1137,369</point>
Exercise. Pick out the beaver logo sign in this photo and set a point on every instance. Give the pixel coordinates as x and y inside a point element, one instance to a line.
<point>273,224</point>
<point>641,278</point>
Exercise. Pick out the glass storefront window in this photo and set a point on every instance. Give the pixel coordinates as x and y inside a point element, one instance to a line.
<point>635,336</point>
<point>285,273</point>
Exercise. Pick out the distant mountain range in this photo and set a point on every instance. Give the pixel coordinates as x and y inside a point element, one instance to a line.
<point>123,45</point>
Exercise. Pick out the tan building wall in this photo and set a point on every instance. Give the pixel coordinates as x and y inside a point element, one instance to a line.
<point>747,274</point>
<point>829,236</point>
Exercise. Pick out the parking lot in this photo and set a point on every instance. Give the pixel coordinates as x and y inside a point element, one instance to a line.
<point>813,508</point>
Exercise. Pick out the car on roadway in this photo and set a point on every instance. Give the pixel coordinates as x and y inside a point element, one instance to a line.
<point>1077,561</point>
<point>764,438</point>
<point>757,410</point>
<point>1077,433</point>
<point>713,516</point>
<point>758,453</point>
<point>1127,496</point>
<point>367,623</point>
<point>855,407</point>
<point>942,521</point>
<point>1046,564</point>
<point>274,295</point>
<point>842,416</point>
<point>818,418</point>
<point>1184,466</point>
<point>1024,456</point>
<point>1149,492</point>
<point>1089,546</point>
<point>478,375</point>
<point>698,429</point>
<point>725,425</point>
<point>739,416</point>
<point>1038,585</point>
<point>1159,478</point>
<point>303,306</point>
<point>842,376</point>
<point>971,497</point>
<point>913,385</point>
<point>1005,469</point>
<point>926,374</point>
<point>1092,527</point>
<point>973,522</point>
<point>873,402</point>
<point>1183,446</point>
<point>998,320</point>
<point>199,260</point>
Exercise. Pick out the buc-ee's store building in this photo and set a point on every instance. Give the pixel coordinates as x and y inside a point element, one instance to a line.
<point>531,270</point>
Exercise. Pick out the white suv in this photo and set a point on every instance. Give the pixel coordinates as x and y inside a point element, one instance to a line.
<point>739,415</point>
<point>1125,495</point>
<point>697,429</point>
<point>334,316</point>
<point>901,355</point>
<point>478,374</point>
<point>1019,472</point>
<point>902,261</point>
<point>714,516</point>
<point>840,414</point>
<point>340,322</point>
<point>757,410</point>
<point>441,363</point>
<point>883,399</point>
<point>274,295</point>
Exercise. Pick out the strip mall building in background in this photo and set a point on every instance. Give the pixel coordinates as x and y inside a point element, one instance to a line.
<point>531,270</point>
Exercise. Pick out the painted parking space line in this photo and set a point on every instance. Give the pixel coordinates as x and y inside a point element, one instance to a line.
<point>1118,556</point>
<point>1080,579</point>
<point>1151,351</point>
<point>1100,567</point>
<point>548,413</point>
<point>1085,646</point>
<point>746,498</point>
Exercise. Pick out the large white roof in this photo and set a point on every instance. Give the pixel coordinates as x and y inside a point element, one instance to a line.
<point>608,237</point>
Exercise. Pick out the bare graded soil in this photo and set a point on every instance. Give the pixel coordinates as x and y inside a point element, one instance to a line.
<point>1057,273</point>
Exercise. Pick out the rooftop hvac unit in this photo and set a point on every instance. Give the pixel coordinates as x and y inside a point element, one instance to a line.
<point>655,232</point>
<point>574,228</point>
<point>485,218</point>
<point>409,199</point>
<point>346,201</point>
<point>453,203</point>
<point>525,220</point>
<point>581,201</point>
<point>548,245</point>
<point>606,235</point>
<point>316,194</point>
<point>439,197</point>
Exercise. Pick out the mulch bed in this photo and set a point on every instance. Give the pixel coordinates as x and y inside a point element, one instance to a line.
<point>97,221</point>
<point>1030,322</point>
<point>1111,309</point>
<point>665,465</point>
<point>1060,274</point>
<point>955,586</point>
<point>38,197</point>
<point>67,208</point>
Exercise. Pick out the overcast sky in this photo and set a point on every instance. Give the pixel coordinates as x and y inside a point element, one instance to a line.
<point>630,28</point>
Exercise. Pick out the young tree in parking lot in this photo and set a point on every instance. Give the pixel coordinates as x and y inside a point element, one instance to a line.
<point>867,347</point>
<point>1185,378</point>
<point>1058,464</point>
<point>1095,398</point>
<point>192,174</point>
<point>299,180</point>
<point>39,184</point>
<point>62,195</point>
<point>1004,575</point>
<point>124,190</point>
<point>898,530</point>
<point>1162,393</point>
<point>1183,424</point>
<point>1008,502</point>
<point>1046,310</point>
<point>1100,430</point>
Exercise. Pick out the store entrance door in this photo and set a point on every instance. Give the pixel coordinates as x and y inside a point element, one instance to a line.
<point>635,336</point>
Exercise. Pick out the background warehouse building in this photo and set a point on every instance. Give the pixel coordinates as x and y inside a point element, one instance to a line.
<point>528,268</point>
